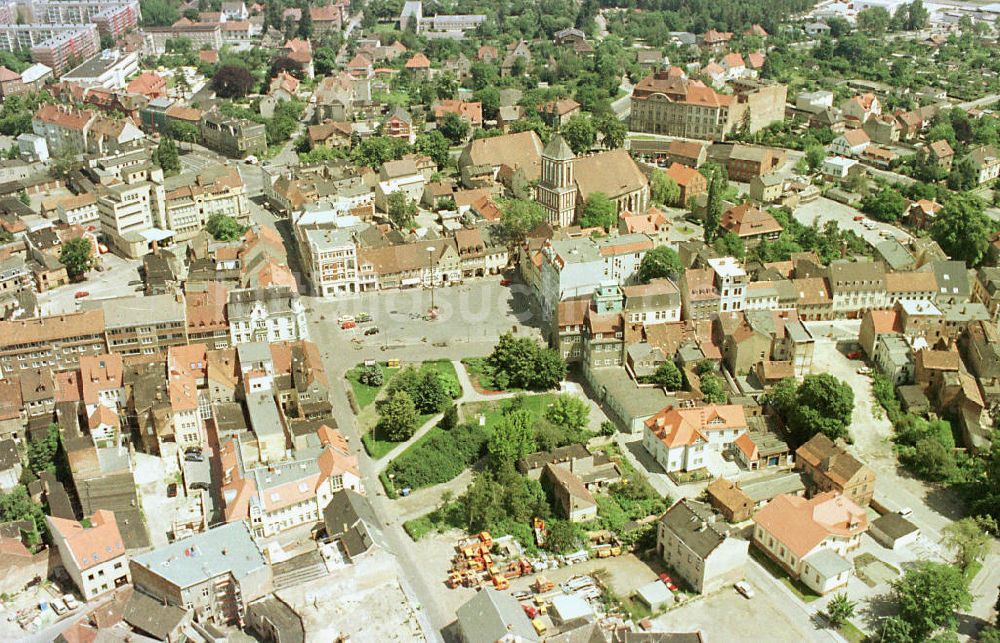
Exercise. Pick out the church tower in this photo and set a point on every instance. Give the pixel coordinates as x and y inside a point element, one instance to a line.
<point>557,187</point>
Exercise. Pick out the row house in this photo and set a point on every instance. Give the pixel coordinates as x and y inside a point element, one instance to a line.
<point>657,302</point>
<point>857,286</point>
<point>190,200</point>
<point>719,288</point>
<point>142,325</point>
<point>410,265</point>
<point>751,224</point>
<point>57,341</point>
<point>271,314</point>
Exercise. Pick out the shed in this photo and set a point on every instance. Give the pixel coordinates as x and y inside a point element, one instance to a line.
<point>893,531</point>
<point>655,595</point>
<point>568,608</point>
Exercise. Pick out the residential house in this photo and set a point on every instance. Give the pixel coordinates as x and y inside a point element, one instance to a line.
<point>270,314</point>
<point>694,542</point>
<point>491,616</point>
<point>882,129</point>
<point>690,153</point>
<point>350,520</point>
<point>557,113</point>
<point>830,467</point>
<point>719,288</point>
<point>985,161</point>
<point>576,503</point>
<point>861,108</point>
<point>691,182</point>
<point>679,438</point>
<point>767,189</point>
<point>809,538</point>
<point>728,499</point>
<point>92,552</point>
<point>658,302</point>
<point>941,154</point>
<point>893,357</point>
<point>851,143</point>
<point>857,286</point>
<point>751,224</point>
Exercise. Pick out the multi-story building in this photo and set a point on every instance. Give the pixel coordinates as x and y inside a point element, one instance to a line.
<point>112,17</point>
<point>679,438</point>
<point>272,314</point>
<point>810,538</point>
<point>142,325</point>
<point>201,35</point>
<point>330,255</point>
<point>576,267</point>
<point>78,210</point>
<point>108,69</point>
<point>675,106</point>
<point>233,137</point>
<point>830,467</point>
<point>857,286</point>
<point>719,288</point>
<point>657,302</point>
<point>282,495</point>
<point>64,129</point>
<point>60,46</point>
<point>694,542</point>
<point>92,552</point>
<point>217,573</point>
<point>131,211</point>
<point>57,341</point>
<point>190,200</point>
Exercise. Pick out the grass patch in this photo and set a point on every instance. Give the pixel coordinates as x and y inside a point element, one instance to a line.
<point>493,411</point>
<point>418,527</point>
<point>684,477</point>
<point>850,632</point>
<point>364,394</point>
<point>798,588</point>
<point>480,373</point>
<point>971,571</point>
<point>871,571</point>
<point>375,447</point>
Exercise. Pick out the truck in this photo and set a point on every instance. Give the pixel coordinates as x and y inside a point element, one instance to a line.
<point>539,528</point>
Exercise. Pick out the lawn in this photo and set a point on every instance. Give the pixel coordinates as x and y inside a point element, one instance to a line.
<point>418,527</point>
<point>480,373</point>
<point>534,404</point>
<point>364,394</point>
<point>377,448</point>
<point>852,633</point>
<point>798,588</point>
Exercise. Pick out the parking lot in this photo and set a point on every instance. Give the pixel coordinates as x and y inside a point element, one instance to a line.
<point>769,615</point>
<point>118,278</point>
<point>823,209</point>
<point>477,311</point>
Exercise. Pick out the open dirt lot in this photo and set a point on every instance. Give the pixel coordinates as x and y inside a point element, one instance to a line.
<point>361,602</point>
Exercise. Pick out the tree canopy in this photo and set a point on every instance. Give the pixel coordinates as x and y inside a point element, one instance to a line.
<point>927,598</point>
<point>599,212</point>
<point>397,417</point>
<point>223,227</point>
<point>520,362</point>
<point>232,81</point>
<point>820,404</point>
<point>78,257</point>
<point>962,228</point>
<point>660,262</point>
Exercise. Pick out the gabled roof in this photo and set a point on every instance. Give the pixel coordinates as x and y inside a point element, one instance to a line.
<point>92,545</point>
<point>835,462</point>
<point>418,61</point>
<point>684,175</point>
<point>613,173</point>
<point>802,525</point>
<point>677,427</point>
<point>696,525</point>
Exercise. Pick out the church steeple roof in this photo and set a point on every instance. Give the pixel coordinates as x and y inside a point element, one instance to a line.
<point>558,149</point>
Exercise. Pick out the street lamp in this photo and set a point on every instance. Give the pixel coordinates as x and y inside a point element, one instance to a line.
<point>430,265</point>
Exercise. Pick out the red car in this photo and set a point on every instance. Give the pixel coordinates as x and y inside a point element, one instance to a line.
<point>859,218</point>
<point>80,294</point>
<point>347,325</point>
<point>669,582</point>
<point>529,610</point>
<point>854,355</point>
<point>505,282</point>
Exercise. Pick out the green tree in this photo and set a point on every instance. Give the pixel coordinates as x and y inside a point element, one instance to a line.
<point>612,131</point>
<point>814,156</point>
<point>962,228</point>
<point>918,16</point>
<point>430,394</point>
<point>659,263</point>
<point>182,131</point>
<point>374,151</point>
<point>371,376</point>
<point>165,155</point>
<point>873,21</point>
<point>519,362</point>
<point>518,217</point>
<point>158,13</point>
<point>713,389</point>
<point>23,197</point>
<point>713,210</point>
<point>963,175</point>
<point>840,609</point>
<point>885,205</point>
<point>580,133</point>
<point>730,245</point>
<point>18,505</point>
<point>513,438</point>
<point>42,452</point>
<point>568,411</point>
<point>434,145</point>
<point>970,539</point>
<point>78,257</point>
<point>668,376</point>
<point>305,29</point>
<point>401,210</point>
<point>454,127</point>
<point>223,227</point>
<point>397,417</point>
<point>599,212</point>
<point>664,189</point>
<point>489,97</point>
<point>821,403</point>
<point>928,596</point>
<point>562,537</point>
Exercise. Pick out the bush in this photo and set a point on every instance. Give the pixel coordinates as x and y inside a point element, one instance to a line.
<point>438,457</point>
<point>371,376</point>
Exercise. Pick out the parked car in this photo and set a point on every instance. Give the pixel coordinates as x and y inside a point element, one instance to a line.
<point>905,512</point>
<point>854,355</point>
<point>194,457</point>
<point>70,601</point>
<point>202,486</point>
<point>347,325</point>
<point>669,582</point>
<point>744,588</point>
<point>505,282</point>
<point>58,606</point>
<point>372,331</point>
<point>172,490</point>
<point>192,450</point>
<point>362,318</point>
<point>80,294</point>
<point>345,318</point>
<point>864,370</point>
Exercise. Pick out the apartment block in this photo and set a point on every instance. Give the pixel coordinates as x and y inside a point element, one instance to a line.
<point>189,200</point>
<point>233,137</point>
<point>131,212</point>
<point>92,552</point>
<point>273,314</point>
<point>56,342</point>
<point>142,325</point>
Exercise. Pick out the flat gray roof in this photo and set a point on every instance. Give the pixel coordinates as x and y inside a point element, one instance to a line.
<point>225,549</point>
